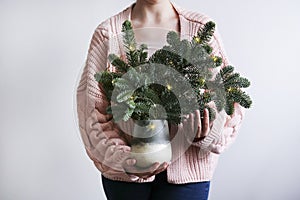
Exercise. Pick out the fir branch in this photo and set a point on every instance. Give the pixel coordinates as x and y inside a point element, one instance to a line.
<point>239,82</point>
<point>240,97</point>
<point>143,54</point>
<point>173,39</point>
<point>192,59</point>
<point>205,33</point>
<point>116,61</point>
<point>229,107</point>
<point>207,48</point>
<point>130,44</point>
<point>218,60</point>
<point>225,71</point>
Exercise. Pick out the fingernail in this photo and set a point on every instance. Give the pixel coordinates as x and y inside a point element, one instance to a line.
<point>131,162</point>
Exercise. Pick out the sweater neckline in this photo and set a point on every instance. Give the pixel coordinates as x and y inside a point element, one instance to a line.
<point>182,30</point>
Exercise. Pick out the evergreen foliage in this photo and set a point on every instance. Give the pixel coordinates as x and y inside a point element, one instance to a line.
<point>136,94</point>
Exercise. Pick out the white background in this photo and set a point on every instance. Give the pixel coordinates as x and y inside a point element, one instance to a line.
<point>43,46</point>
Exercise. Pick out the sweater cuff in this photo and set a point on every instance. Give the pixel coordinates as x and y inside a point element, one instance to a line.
<point>214,133</point>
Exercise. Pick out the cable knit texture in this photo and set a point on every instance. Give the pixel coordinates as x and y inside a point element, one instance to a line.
<point>101,136</point>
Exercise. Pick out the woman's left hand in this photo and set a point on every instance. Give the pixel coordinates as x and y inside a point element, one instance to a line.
<point>197,126</point>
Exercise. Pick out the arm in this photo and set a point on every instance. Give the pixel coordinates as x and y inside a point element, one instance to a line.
<point>99,134</point>
<point>104,146</point>
<point>225,128</point>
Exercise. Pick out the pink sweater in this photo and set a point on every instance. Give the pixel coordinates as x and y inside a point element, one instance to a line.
<point>101,136</point>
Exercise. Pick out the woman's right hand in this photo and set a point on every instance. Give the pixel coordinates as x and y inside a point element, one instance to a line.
<point>117,160</point>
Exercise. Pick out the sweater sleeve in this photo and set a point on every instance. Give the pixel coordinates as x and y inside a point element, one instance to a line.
<point>99,134</point>
<point>225,128</point>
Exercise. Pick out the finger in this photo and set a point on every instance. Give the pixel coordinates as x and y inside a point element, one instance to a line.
<point>115,141</point>
<point>128,165</point>
<point>113,151</point>
<point>109,151</point>
<point>130,162</point>
<point>205,125</point>
<point>191,124</point>
<point>197,124</point>
<point>180,128</point>
<point>186,116</point>
<point>117,159</point>
<point>124,148</point>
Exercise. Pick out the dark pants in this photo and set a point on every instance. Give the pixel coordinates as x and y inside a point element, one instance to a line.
<point>159,189</point>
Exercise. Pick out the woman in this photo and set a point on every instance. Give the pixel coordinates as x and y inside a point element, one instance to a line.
<point>187,177</point>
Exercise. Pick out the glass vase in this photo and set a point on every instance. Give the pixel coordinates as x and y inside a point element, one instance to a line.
<point>150,142</point>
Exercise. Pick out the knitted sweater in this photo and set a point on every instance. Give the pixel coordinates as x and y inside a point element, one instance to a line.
<point>100,134</point>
